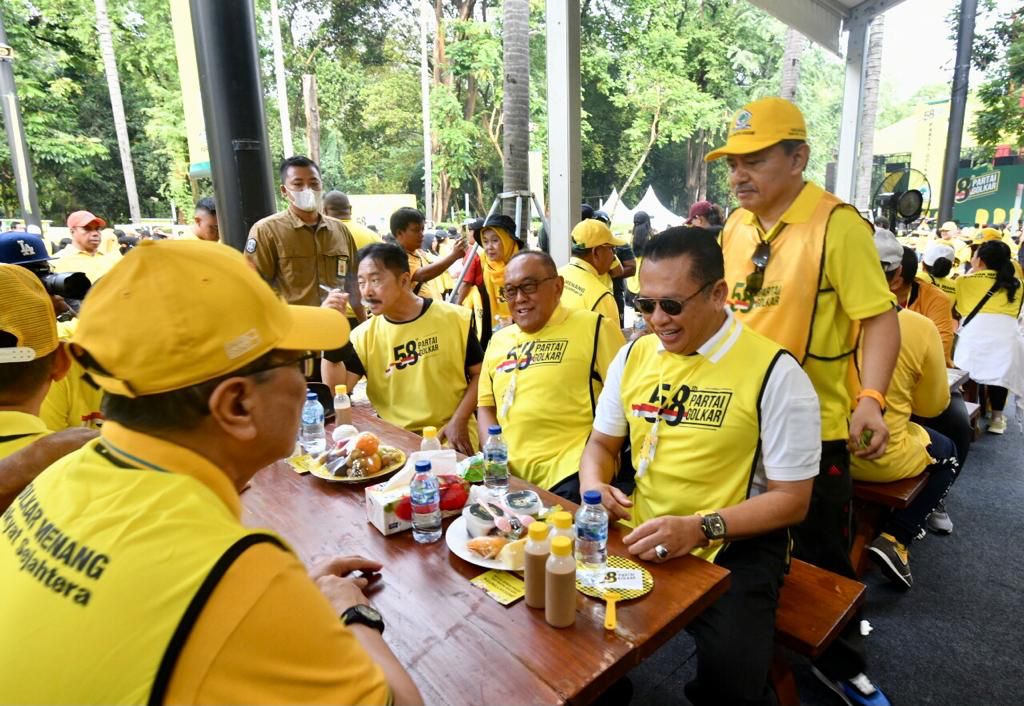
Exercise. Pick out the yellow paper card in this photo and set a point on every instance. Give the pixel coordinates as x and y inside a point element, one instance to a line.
<point>300,464</point>
<point>501,586</point>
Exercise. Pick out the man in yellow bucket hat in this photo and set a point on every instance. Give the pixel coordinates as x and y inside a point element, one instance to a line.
<point>803,270</point>
<point>130,553</point>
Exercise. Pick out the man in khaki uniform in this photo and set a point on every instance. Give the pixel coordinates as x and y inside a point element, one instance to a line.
<point>299,251</point>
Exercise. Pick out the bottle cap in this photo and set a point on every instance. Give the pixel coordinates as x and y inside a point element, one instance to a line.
<point>538,531</point>
<point>429,432</point>
<point>561,546</point>
<point>423,466</point>
<point>561,519</point>
<point>494,430</point>
<point>310,396</point>
<point>592,497</point>
<point>340,390</point>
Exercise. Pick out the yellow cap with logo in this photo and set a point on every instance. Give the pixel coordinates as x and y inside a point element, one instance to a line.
<point>761,124</point>
<point>987,234</point>
<point>172,314</point>
<point>27,315</point>
<point>592,233</point>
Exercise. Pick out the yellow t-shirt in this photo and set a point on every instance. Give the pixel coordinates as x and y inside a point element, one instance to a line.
<point>429,288</point>
<point>18,430</point>
<point>918,386</point>
<point>361,234</point>
<point>585,290</point>
<point>971,288</point>
<point>558,374</point>
<point>947,285</point>
<point>851,288</point>
<point>932,303</point>
<point>72,401</point>
<point>94,266</point>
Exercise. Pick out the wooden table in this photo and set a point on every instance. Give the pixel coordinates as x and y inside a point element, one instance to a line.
<point>459,645</point>
<point>956,377</point>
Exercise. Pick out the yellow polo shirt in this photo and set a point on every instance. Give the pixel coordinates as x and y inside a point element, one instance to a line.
<point>74,260</point>
<point>72,401</point>
<point>971,288</point>
<point>585,290</point>
<point>18,430</point>
<point>430,288</point>
<point>362,235</point>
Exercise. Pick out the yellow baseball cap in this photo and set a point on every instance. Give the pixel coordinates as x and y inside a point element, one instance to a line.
<point>171,314</point>
<point>592,233</point>
<point>949,225</point>
<point>761,124</point>
<point>27,314</point>
<point>987,234</point>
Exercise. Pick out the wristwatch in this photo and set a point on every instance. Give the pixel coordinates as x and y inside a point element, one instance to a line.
<point>364,615</point>
<point>713,526</point>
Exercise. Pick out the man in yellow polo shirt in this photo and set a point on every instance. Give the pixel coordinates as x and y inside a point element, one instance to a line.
<point>83,254</point>
<point>130,553</point>
<point>724,429</point>
<point>593,254</point>
<point>802,270</point>
<point>420,356</point>
<point>337,205</point>
<point>542,375</point>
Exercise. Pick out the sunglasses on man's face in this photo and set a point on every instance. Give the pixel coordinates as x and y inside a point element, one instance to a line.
<point>672,307</point>
<point>755,280</point>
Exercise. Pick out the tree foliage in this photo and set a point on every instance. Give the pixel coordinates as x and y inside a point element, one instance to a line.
<point>1000,54</point>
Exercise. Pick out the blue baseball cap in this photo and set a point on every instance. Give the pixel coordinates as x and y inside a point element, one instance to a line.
<point>20,248</point>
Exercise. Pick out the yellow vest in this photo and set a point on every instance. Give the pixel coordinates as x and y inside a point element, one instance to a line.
<point>710,429</point>
<point>106,563</point>
<point>415,371</point>
<point>552,411</point>
<point>784,308</point>
<point>584,289</point>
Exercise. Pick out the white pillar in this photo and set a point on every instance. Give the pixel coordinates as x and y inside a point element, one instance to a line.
<point>563,58</point>
<point>849,125</point>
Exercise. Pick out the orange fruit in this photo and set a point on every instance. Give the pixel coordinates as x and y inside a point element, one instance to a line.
<point>368,443</point>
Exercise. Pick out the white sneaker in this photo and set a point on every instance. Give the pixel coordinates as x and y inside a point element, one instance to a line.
<point>939,522</point>
<point>997,426</point>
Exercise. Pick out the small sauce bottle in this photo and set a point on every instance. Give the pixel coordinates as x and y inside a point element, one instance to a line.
<point>560,585</point>
<point>342,406</point>
<point>561,521</point>
<point>538,546</point>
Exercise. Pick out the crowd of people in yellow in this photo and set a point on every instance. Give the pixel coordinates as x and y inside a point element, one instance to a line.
<point>786,354</point>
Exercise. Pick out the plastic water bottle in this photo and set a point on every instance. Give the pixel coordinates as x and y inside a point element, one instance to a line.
<point>311,434</point>
<point>592,532</point>
<point>639,326</point>
<point>430,441</point>
<point>342,405</point>
<point>496,462</point>
<point>425,494</point>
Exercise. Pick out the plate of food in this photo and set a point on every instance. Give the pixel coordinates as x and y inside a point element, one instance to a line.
<point>493,535</point>
<point>483,551</point>
<point>357,460</point>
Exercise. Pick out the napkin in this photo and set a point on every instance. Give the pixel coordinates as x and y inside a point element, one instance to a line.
<point>441,462</point>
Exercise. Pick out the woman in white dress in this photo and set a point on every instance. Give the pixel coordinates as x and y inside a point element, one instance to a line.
<point>990,345</point>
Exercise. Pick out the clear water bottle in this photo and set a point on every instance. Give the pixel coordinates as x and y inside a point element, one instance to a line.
<point>342,406</point>
<point>639,327</point>
<point>592,532</point>
<point>430,441</point>
<point>496,462</point>
<point>311,434</point>
<point>425,494</point>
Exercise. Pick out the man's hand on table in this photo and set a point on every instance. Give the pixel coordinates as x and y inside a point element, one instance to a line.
<point>334,578</point>
<point>614,500</point>
<point>678,534</point>
<point>457,434</point>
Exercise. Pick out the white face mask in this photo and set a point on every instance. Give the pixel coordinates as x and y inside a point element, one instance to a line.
<point>306,199</point>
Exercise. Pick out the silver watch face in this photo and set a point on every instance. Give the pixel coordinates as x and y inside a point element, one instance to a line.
<point>714,527</point>
<point>369,612</point>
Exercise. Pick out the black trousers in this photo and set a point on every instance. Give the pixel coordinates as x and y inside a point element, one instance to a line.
<point>824,539</point>
<point>954,423</point>
<point>736,636</point>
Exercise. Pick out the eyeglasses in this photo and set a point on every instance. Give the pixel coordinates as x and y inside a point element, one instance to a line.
<point>527,288</point>
<point>672,307</point>
<point>755,280</point>
<point>304,362</point>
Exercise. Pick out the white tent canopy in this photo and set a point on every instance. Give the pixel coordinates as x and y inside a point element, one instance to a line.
<point>661,217</point>
<point>617,210</point>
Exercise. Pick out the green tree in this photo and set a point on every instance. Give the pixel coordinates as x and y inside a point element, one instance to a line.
<point>1000,55</point>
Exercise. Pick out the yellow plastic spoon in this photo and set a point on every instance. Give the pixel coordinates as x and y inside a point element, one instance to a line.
<point>610,621</point>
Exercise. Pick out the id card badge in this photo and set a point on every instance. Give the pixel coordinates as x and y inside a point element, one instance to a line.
<point>342,272</point>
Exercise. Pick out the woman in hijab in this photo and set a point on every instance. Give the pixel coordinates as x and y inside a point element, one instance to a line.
<point>498,243</point>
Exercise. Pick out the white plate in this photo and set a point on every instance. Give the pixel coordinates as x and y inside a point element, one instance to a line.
<point>457,537</point>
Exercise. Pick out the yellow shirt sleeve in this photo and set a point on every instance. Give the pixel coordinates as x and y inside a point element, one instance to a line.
<point>609,341</point>
<point>852,267</point>
<point>931,394</point>
<point>267,635</point>
<point>485,390</point>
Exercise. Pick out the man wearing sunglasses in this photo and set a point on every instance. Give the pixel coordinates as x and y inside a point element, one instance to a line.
<point>130,553</point>
<point>802,270</point>
<point>593,254</point>
<point>541,376</point>
<point>724,431</point>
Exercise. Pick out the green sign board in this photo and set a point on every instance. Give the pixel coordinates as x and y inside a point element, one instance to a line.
<point>988,194</point>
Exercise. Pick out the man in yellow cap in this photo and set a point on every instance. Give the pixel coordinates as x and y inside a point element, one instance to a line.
<point>130,552</point>
<point>31,359</point>
<point>593,254</point>
<point>803,270</point>
<point>83,254</point>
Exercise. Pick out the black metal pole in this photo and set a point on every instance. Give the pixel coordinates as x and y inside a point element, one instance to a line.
<point>21,159</point>
<point>236,131</point>
<point>957,107</point>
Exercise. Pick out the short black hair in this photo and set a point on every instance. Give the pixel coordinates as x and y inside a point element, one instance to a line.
<point>791,146</point>
<point>297,161</point>
<point>391,257</point>
<point>551,269</point>
<point>403,217</point>
<point>20,381</point>
<point>208,204</point>
<point>909,263</point>
<point>700,245</point>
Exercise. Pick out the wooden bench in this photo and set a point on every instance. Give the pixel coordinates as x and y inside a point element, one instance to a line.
<point>872,502</point>
<point>974,414</point>
<point>815,607</point>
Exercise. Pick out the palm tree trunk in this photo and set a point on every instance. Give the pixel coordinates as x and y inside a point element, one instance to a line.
<point>428,165</point>
<point>282,90</point>
<point>312,116</point>
<point>117,108</point>
<point>796,43</point>
<point>869,113</point>
<point>516,104</point>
